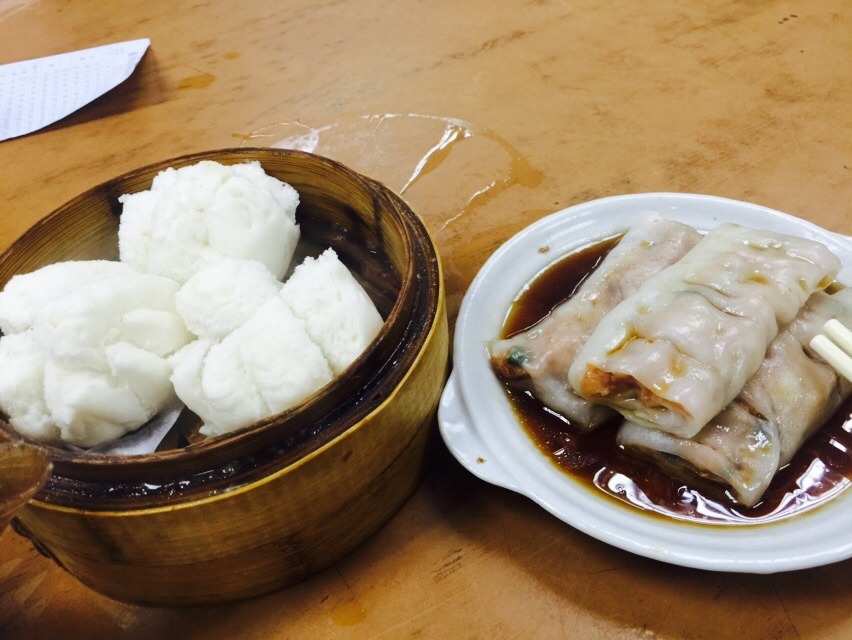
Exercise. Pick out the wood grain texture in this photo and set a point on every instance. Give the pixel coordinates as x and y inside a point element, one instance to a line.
<point>738,99</point>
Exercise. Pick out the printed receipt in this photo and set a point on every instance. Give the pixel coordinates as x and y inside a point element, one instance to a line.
<point>36,93</point>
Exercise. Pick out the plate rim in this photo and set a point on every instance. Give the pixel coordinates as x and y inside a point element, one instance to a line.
<point>676,542</point>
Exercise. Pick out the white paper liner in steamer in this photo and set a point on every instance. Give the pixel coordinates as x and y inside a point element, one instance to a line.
<point>141,441</point>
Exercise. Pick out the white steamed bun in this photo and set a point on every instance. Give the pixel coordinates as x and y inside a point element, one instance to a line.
<point>22,387</point>
<point>221,297</point>
<point>88,361</point>
<point>197,215</point>
<point>26,294</point>
<point>338,313</point>
<point>265,366</point>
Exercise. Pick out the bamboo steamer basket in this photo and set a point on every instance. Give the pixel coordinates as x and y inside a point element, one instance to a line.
<point>235,516</point>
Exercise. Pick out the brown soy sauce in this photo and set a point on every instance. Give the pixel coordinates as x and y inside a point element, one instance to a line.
<point>820,470</point>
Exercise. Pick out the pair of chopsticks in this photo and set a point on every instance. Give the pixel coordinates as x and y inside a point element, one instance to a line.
<point>834,345</point>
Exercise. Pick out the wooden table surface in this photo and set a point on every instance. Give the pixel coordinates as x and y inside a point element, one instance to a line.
<point>487,115</point>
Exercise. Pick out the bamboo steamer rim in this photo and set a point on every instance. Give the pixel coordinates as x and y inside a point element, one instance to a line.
<point>380,194</point>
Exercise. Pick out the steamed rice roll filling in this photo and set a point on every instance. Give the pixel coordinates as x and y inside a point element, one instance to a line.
<point>792,394</point>
<point>539,359</point>
<point>675,353</point>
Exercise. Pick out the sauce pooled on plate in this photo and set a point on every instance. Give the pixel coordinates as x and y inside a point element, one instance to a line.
<point>819,471</point>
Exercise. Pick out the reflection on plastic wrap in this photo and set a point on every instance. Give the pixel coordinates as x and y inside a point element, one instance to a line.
<point>468,166</point>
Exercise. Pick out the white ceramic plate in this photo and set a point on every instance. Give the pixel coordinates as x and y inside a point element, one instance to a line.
<point>478,425</point>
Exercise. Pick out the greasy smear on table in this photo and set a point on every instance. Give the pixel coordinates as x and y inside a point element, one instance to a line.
<point>469,166</point>
<point>818,472</point>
